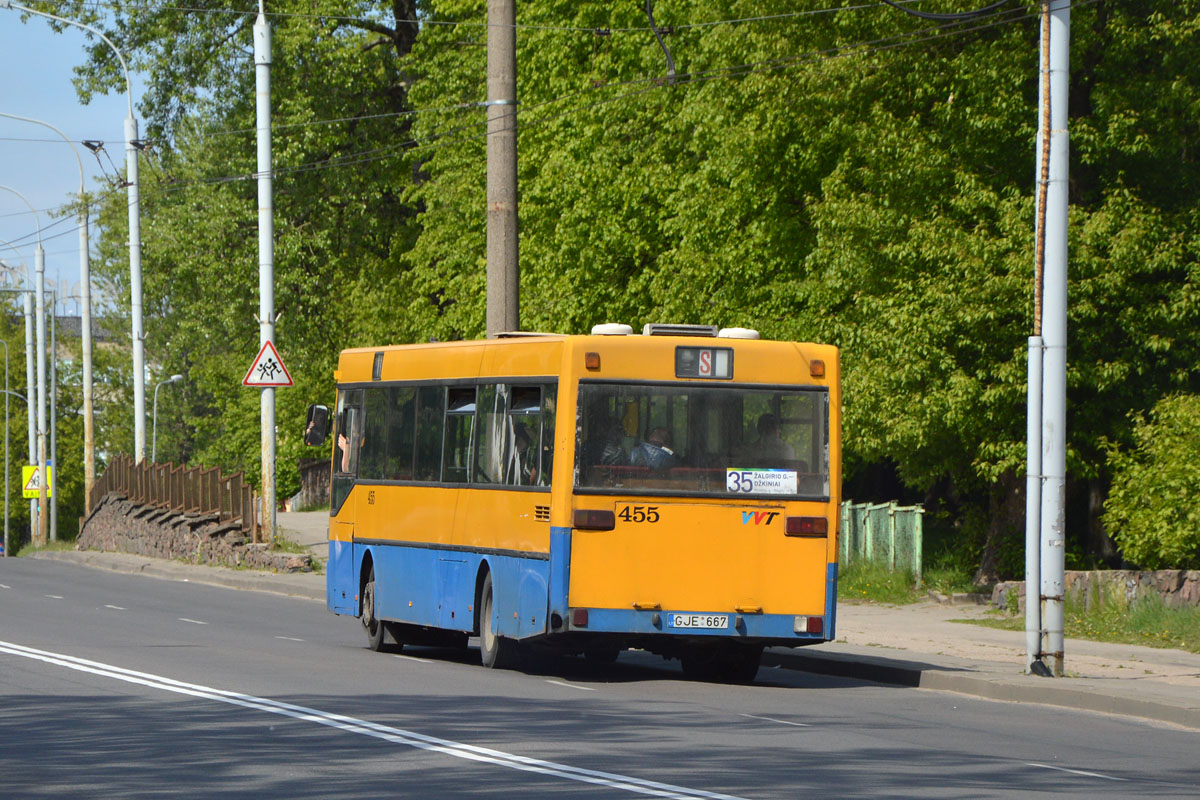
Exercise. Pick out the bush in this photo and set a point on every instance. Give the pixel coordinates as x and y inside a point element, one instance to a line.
<point>1153,511</point>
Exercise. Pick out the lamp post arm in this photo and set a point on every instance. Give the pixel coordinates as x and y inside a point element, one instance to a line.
<point>78,160</point>
<point>86,27</point>
<point>25,200</point>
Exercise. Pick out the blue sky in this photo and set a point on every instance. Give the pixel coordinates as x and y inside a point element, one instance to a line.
<point>37,67</point>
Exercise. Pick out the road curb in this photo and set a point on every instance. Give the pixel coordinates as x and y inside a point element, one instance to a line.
<point>1014,688</point>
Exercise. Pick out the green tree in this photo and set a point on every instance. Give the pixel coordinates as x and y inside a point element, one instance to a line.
<point>1152,510</point>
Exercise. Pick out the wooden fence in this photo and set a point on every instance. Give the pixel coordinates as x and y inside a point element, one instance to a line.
<point>185,489</point>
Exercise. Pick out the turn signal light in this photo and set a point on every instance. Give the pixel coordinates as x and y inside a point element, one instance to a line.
<point>807,526</point>
<point>816,368</point>
<point>594,519</point>
<point>591,360</point>
<point>579,617</point>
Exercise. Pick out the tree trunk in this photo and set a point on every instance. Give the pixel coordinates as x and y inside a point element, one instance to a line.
<point>1006,519</point>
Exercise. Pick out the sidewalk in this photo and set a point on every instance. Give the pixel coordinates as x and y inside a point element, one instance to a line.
<point>921,645</point>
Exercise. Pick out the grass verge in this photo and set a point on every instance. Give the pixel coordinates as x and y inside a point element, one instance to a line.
<point>1146,621</point>
<point>861,580</point>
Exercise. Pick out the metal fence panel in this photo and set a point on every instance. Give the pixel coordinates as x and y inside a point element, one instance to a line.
<point>882,533</point>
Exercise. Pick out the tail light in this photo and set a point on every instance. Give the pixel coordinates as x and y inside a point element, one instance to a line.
<point>816,527</point>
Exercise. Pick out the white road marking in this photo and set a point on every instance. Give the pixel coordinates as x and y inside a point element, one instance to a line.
<point>780,721</point>
<point>116,608</point>
<point>53,596</point>
<point>4,586</point>
<point>572,686</point>
<point>193,621</point>
<point>362,727</point>
<point>289,638</point>
<point>411,658</point>
<point>1076,772</point>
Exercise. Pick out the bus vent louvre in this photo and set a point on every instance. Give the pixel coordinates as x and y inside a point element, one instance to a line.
<point>541,513</point>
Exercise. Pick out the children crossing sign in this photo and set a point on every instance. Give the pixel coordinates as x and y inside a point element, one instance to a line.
<point>267,369</point>
<point>31,489</point>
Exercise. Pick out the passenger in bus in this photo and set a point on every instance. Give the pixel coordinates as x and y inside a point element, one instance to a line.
<point>654,452</point>
<point>770,446</point>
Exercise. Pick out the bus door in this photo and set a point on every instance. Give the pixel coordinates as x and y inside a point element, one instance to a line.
<point>341,586</point>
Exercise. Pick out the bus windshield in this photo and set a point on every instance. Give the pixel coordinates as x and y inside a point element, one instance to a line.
<point>702,439</point>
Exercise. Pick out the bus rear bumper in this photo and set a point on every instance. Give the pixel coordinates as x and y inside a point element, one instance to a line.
<point>768,629</point>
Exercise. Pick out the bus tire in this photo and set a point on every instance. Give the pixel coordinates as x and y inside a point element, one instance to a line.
<point>375,629</point>
<point>495,651</point>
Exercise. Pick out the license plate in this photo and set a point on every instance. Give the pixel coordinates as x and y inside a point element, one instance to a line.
<point>708,621</point>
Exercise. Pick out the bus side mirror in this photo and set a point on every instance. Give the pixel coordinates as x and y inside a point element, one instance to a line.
<point>317,427</point>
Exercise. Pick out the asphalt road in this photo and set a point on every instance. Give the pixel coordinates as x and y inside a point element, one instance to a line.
<point>124,686</point>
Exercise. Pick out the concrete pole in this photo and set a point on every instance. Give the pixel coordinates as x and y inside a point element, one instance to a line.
<point>85,332</point>
<point>43,506</point>
<point>266,261</point>
<point>30,382</point>
<point>1033,508</point>
<point>1054,335</point>
<point>54,414</point>
<point>503,275</point>
<point>138,331</point>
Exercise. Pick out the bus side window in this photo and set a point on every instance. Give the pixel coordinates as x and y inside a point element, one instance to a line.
<point>345,454</point>
<point>374,440</point>
<point>549,410</point>
<point>460,419</point>
<point>401,401</point>
<point>524,427</point>
<point>431,409</point>
<point>491,445</point>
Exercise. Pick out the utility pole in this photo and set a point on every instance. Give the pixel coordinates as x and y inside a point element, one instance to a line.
<point>266,260</point>
<point>1053,152</point>
<point>503,273</point>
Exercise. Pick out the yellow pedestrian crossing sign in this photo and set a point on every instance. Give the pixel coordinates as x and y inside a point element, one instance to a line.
<point>29,480</point>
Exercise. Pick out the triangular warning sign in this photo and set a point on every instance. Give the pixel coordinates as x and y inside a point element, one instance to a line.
<point>267,369</point>
<point>31,487</point>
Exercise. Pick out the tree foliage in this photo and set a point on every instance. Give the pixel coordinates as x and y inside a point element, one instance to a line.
<point>853,175</point>
<point>1152,509</point>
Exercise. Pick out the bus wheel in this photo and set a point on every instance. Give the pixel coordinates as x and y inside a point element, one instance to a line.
<point>375,629</point>
<point>741,665</point>
<point>495,651</point>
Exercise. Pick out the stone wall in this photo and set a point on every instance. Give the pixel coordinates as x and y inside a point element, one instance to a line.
<point>1176,587</point>
<point>118,525</point>
<point>314,485</point>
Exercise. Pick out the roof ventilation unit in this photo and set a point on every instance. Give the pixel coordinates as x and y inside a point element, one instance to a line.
<point>612,329</point>
<point>737,333</point>
<point>657,329</point>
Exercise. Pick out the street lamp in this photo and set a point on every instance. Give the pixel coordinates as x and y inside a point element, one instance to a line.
<point>132,145</point>
<point>154,437</point>
<point>85,319</point>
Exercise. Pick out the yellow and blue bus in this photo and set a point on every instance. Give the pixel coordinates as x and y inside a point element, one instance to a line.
<point>674,491</point>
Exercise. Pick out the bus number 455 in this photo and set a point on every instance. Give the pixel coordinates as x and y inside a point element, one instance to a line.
<point>639,514</point>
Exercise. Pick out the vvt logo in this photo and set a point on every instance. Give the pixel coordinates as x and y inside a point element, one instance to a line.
<point>759,517</point>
